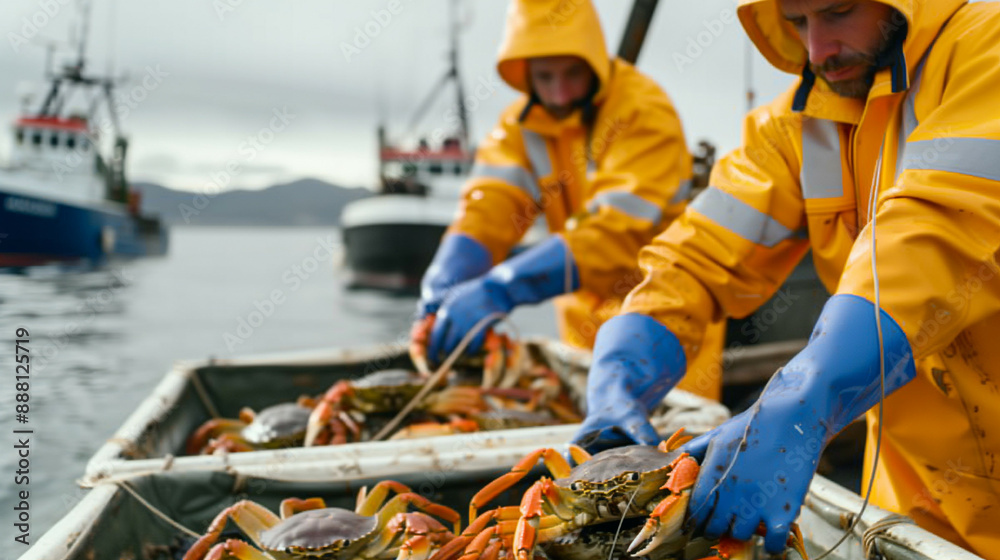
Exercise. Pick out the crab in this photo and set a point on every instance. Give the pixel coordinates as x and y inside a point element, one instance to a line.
<point>480,540</point>
<point>499,355</point>
<point>502,419</point>
<point>377,529</point>
<point>618,484</point>
<point>282,425</point>
<point>383,391</point>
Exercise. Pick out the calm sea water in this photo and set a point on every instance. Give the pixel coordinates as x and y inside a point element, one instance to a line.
<point>100,340</point>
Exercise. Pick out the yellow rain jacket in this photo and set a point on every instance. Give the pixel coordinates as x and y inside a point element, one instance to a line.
<point>803,179</point>
<point>608,188</point>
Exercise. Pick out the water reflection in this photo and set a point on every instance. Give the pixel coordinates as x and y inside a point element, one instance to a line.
<point>102,338</point>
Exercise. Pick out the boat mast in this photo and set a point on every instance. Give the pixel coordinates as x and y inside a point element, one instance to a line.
<point>454,72</point>
<point>451,74</point>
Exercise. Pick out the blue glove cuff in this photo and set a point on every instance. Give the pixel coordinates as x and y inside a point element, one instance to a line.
<point>845,346</point>
<point>636,356</point>
<point>537,274</point>
<point>458,258</point>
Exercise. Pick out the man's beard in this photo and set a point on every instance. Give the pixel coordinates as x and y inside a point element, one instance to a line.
<point>859,87</point>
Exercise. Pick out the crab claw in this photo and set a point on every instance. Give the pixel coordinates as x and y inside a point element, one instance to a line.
<point>329,412</point>
<point>318,420</point>
<point>664,523</point>
<point>420,335</point>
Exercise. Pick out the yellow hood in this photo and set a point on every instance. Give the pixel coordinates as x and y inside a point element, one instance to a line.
<point>538,28</point>
<point>779,43</point>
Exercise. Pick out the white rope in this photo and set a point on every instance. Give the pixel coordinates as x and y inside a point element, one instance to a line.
<point>614,542</point>
<point>877,530</point>
<point>202,393</point>
<point>872,197</point>
<point>156,511</point>
<point>438,375</point>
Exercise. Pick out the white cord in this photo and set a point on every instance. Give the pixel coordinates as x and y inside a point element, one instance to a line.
<point>156,511</point>
<point>434,379</point>
<point>872,197</point>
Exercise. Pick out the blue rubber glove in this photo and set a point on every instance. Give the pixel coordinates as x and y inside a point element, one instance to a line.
<point>832,381</point>
<point>636,361</point>
<point>531,277</point>
<point>458,258</point>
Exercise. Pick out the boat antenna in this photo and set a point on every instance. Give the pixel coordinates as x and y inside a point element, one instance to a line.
<point>84,10</point>
<point>463,115</point>
<point>112,37</point>
<point>451,74</point>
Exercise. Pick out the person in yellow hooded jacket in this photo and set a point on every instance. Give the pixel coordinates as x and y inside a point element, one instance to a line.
<point>888,167</point>
<point>596,149</point>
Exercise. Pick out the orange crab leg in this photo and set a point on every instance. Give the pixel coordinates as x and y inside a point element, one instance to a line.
<point>252,518</point>
<point>237,549</point>
<point>676,440</point>
<point>534,527</point>
<point>370,503</point>
<point>474,538</point>
<point>399,503</point>
<point>796,541</point>
<point>426,535</point>
<point>291,506</point>
<point>485,545</point>
<point>729,548</point>
<point>420,335</point>
<point>555,462</point>
<point>429,429</point>
<point>213,428</point>
<point>330,404</point>
<point>456,400</point>
<point>579,454</point>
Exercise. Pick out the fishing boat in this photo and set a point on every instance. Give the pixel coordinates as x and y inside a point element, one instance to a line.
<point>158,516</point>
<point>153,437</point>
<point>390,239</point>
<point>63,191</point>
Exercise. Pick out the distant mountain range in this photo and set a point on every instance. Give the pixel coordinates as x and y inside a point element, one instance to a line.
<point>306,202</point>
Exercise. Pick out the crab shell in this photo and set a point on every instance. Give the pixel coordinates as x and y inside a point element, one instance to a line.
<point>386,391</point>
<point>319,532</point>
<point>282,425</point>
<point>606,484</point>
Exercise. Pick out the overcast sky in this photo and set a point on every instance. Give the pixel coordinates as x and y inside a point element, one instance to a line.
<point>216,72</point>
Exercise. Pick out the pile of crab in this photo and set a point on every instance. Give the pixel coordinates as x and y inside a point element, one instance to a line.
<point>502,387</point>
<point>621,503</point>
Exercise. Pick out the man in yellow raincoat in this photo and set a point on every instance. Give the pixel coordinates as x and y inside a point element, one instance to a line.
<point>595,148</point>
<point>888,167</point>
